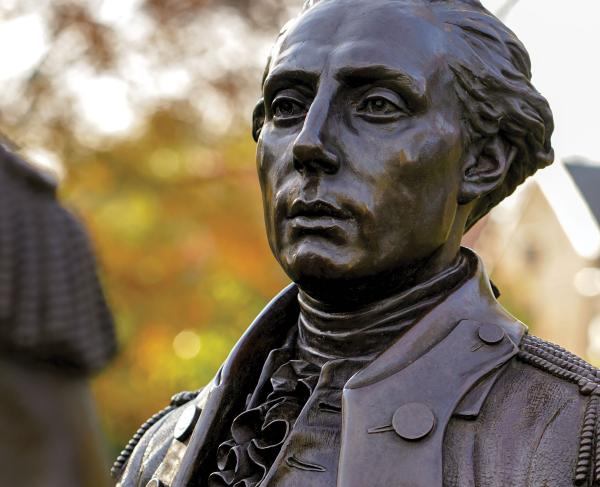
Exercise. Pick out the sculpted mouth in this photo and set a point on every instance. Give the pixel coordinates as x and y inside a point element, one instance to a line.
<point>317,209</point>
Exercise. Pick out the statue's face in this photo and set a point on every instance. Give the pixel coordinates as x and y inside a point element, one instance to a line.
<point>360,154</point>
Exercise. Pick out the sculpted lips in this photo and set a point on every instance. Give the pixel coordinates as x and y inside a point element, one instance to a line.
<point>317,216</point>
<point>317,209</point>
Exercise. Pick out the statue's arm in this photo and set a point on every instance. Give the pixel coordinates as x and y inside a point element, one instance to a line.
<point>145,451</point>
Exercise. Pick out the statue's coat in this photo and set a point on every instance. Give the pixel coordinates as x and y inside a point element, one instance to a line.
<point>498,420</point>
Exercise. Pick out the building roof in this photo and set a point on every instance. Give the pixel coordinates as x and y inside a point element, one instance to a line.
<point>587,179</point>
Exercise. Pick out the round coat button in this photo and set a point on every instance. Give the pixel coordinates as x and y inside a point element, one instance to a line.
<point>186,423</point>
<point>413,421</point>
<point>491,334</point>
<point>155,483</point>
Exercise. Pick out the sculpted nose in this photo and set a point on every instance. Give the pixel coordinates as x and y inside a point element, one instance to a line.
<point>312,151</point>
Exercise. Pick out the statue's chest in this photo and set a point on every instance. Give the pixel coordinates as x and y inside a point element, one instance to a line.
<point>310,453</point>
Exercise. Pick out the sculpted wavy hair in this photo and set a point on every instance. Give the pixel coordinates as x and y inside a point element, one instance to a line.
<point>52,308</point>
<point>493,83</point>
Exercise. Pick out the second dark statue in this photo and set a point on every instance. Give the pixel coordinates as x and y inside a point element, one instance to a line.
<point>387,129</point>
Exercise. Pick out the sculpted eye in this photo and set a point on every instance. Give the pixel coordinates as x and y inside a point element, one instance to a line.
<point>382,106</point>
<point>379,106</point>
<point>287,108</point>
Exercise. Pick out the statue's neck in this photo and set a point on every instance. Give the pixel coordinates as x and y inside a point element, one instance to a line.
<point>327,333</point>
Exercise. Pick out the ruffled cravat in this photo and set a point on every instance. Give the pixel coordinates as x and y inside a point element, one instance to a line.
<point>258,433</point>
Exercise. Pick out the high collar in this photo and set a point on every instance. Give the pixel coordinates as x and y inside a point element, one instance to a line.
<point>325,334</point>
<point>444,366</point>
<point>474,300</point>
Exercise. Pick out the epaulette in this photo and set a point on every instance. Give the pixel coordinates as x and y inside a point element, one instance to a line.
<point>568,366</point>
<point>177,400</point>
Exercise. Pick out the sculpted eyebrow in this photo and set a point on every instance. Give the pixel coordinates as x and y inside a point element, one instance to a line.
<point>413,90</point>
<point>280,78</point>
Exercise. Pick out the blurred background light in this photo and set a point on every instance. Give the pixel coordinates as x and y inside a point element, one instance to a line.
<point>104,102</point>
<point>587,282</point>
<point>594,337</point>
<point>187,344</point>
<point>24,42</point>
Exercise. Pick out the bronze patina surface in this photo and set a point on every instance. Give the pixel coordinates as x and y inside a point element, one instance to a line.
<point>387,128</point>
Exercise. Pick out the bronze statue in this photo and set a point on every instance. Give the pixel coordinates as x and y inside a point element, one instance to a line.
<point>56,330</point>
<point>387,128</point>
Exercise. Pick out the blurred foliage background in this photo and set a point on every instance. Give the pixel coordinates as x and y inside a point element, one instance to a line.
<point>143,107</point>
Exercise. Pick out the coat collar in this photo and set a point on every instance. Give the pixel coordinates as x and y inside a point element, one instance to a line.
<point>222,399</point>
<point>474,300</point>
<point>394,428</point>
<point>401,404</point>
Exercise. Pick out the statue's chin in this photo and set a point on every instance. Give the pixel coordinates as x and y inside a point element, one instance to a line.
<point>319,258</point>
<point>345,274</point>
<point>322,269</point>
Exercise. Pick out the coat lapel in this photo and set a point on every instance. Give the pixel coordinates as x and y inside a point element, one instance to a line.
<point>239,372</point>
<point>396,410</point>
<point>393,430</point>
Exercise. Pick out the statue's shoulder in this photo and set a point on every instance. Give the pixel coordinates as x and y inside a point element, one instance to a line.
<point>559,363</point>
<point>567,397</point>
<point>151,441</point>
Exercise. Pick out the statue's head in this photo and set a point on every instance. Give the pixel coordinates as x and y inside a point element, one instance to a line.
<point>388,128</point>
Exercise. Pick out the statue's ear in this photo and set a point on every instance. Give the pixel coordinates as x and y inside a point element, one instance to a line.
<point>486,167</point>
<point>258,119</point>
